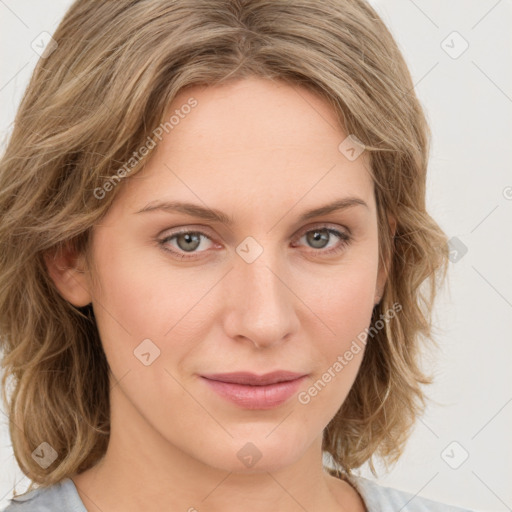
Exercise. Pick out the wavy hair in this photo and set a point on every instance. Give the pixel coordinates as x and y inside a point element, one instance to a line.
<point>98,96</point>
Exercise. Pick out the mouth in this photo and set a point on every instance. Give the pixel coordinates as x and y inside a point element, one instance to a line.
<point>252,391</point>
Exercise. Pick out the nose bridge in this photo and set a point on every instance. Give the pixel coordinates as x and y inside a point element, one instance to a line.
<point>261,305</point>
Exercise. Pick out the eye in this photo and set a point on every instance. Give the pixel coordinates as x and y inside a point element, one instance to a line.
<point>319,238</point>
<point>186,241</point>
<point>185,244</point>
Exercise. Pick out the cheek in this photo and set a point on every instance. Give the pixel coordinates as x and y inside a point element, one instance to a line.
<point>138,291</point>
<point>342,301</point>
<point>140,301</point>
<point>126,305</point>
<point>337,357</point>
<point>146,332</point>
<point>352,307</point>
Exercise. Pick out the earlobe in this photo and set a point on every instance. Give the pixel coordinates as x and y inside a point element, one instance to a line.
<point>66,268</point>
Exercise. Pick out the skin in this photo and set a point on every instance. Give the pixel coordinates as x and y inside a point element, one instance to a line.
<point>263,152</point>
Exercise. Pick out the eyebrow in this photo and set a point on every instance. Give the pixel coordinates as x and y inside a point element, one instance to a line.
<point>213,215</point>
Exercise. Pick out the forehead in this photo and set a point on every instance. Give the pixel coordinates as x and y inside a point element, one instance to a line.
<point>250,140</point>
<point>256,114</point>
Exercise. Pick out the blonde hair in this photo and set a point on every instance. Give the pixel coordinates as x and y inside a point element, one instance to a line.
<point>98,97</point>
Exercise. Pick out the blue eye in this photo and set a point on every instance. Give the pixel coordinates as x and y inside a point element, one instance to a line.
<point>185,243</point>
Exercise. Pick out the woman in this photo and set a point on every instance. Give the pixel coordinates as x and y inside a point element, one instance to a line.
<point>214,232</point>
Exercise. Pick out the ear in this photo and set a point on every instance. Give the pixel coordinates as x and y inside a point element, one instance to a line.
<point>382,274</point>
<point>66,267</point>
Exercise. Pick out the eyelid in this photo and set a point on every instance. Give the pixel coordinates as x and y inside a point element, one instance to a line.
<point>189,228</point>
<point>204,230</point>
<point>324,225</point>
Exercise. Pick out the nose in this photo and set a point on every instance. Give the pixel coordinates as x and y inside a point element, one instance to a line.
<point>261,305</point>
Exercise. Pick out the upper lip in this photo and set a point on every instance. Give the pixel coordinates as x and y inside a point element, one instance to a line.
<point>252,379</point>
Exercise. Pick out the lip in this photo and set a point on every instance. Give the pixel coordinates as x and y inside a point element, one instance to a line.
<point>252,391</point>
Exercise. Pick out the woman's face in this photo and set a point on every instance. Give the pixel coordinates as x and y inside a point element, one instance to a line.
<point>274,290</point>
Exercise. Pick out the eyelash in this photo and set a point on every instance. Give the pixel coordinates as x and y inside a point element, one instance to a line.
<point>345,240</point>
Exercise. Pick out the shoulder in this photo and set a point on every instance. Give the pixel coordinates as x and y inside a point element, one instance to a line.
<point>387,499</point>
<point>62,496</point>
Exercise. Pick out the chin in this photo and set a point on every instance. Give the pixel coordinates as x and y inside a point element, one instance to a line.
<point>263,451</point>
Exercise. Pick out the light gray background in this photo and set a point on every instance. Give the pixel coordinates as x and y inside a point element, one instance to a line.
<point>468,100</point>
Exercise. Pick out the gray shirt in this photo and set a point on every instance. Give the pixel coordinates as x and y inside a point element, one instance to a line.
<point>64,497</point>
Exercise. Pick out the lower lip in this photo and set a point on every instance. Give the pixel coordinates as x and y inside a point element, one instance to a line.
<point>256,397</point>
